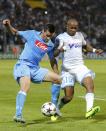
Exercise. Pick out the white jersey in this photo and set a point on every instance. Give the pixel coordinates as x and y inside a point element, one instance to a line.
<point>72,55</point>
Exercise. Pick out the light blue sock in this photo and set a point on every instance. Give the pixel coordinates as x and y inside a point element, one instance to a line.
<point>55,90</point>
<point>20,99</point>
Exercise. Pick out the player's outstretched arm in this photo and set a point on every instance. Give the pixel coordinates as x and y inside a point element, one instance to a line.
<point>9,27</point>
<point>54,65</point>
<point>89,48</point>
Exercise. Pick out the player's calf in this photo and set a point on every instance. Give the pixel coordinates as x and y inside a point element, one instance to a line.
<point>64,101</point>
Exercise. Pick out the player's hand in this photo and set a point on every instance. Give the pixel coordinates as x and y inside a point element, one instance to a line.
<point>61,47</point>
<point>6,22</point>
<point>99,51</point>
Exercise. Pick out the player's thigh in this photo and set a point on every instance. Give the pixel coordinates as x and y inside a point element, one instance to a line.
<point>37,75</point>
<point>81,72</point>
<point>44,74</point>
<point>53,77</point>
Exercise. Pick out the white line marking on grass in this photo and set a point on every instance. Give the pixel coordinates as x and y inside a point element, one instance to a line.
<point>96,98</point>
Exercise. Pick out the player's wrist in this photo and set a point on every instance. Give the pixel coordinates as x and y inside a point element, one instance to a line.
<point>94,50</point>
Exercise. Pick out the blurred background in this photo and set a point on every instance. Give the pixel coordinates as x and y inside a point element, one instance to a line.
<point>32,14</point>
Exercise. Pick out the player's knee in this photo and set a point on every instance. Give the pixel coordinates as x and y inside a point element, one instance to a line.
<point>25,86</point>
<point>25,89</point>
<point>89,88</point>
<point>57,80</point>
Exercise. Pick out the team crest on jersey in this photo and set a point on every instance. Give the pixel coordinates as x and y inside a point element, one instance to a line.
<point>41,45</point>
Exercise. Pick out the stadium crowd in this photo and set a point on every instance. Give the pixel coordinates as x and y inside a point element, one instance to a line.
<point>91,14</point>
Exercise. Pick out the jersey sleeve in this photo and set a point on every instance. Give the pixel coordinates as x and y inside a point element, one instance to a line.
<point>51,54</point>
<point>83,39</point>
<point>56,43</point>
<point>26,34</point>
<point>59,42</point>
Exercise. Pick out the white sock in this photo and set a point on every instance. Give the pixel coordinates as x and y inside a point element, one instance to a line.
<point>89,97</point>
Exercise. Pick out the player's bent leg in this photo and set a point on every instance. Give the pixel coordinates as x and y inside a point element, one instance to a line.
<point>67,85</point>
<point>69,92</point>
<point>52,77</point>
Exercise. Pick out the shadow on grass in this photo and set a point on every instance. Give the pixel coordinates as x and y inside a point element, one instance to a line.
<point>46,120</point>
<point>96,117</point>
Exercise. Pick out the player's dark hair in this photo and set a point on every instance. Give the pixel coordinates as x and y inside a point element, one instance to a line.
<point>49,27</point>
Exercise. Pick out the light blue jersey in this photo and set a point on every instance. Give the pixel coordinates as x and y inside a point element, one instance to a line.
<point>35,47</point>
<point>33,52</point>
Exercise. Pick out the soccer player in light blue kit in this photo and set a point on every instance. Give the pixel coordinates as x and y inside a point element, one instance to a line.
<point>27,68</point>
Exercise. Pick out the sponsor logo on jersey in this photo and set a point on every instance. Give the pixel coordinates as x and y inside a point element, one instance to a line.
<point>76,45</point>
<point>41,45</point>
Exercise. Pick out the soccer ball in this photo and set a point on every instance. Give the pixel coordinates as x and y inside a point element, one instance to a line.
<point>48,109</point>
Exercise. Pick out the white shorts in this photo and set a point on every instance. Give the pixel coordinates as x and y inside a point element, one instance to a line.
<point>77,73</point>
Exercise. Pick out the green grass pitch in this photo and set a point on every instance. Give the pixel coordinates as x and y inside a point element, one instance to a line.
<point>73,114</point>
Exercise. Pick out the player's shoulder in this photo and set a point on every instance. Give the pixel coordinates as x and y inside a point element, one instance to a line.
<point>25,32</point>
<point>33,31</point>
<point>62,35</point>
<point>79,33</point>
<point>30,30</point>
<point>82,35</point>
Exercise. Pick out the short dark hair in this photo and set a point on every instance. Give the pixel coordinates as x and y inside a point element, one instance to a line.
<point>49,27</point>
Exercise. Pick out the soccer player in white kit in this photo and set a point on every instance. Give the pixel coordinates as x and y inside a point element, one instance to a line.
<point>73,68</point>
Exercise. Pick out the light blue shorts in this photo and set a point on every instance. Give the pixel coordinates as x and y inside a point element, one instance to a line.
<point>36,74</point>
